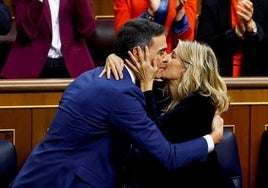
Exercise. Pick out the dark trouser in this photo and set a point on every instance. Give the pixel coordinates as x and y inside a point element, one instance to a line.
<point>54,68</point>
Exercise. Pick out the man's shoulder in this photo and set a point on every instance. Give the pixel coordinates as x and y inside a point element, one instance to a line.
<point>92,79</point>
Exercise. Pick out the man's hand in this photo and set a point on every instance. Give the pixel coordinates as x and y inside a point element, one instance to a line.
<point>217,129</point>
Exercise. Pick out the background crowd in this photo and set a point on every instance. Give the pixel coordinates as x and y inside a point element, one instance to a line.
<point>51,40</point>
<point>50,43</point>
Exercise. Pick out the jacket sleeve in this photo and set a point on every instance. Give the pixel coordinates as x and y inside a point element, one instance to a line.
<point>191,14</point>
<point>84,19</point>
<point>132,121</point>
<point>121,13</point>
<point>28,18</point>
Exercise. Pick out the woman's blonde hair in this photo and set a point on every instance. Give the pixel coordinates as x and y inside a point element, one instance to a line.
<point>201,75</point>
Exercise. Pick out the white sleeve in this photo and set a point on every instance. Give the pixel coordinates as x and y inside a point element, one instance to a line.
<point>210,142</point>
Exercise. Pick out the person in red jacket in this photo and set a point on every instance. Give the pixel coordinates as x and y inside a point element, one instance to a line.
<point>50,40</point>
<point>178,16</point>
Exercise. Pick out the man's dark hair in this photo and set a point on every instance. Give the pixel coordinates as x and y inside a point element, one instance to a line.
<point>136,32</point>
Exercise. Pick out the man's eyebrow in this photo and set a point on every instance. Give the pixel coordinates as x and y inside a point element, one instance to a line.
<point>162,50</point>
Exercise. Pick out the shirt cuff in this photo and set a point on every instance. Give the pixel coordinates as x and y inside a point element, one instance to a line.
<point>210,142</point>
<point>143,15</point>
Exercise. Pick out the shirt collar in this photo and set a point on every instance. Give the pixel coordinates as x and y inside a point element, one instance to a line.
<point>132,76</point>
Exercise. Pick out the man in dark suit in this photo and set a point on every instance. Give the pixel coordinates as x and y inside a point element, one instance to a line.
<point>5,19</point>
<point>97,119</point>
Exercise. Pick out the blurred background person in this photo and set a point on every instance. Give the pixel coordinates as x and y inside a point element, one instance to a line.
<point>5,18</point>
<point>178,16</point>
<point>237,32</point>
<point>50,40</point>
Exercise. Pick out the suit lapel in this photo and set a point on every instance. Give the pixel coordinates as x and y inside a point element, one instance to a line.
<point>62,5</point>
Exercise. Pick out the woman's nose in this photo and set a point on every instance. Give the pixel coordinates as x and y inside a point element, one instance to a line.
<point>167,58</point>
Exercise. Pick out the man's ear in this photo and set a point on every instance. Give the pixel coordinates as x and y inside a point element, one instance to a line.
<point>135,52</point>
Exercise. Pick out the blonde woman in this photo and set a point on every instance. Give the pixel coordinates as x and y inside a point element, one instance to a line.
<point>195,92</point>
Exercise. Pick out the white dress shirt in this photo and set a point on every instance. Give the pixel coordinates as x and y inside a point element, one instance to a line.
<point>55,49</point>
